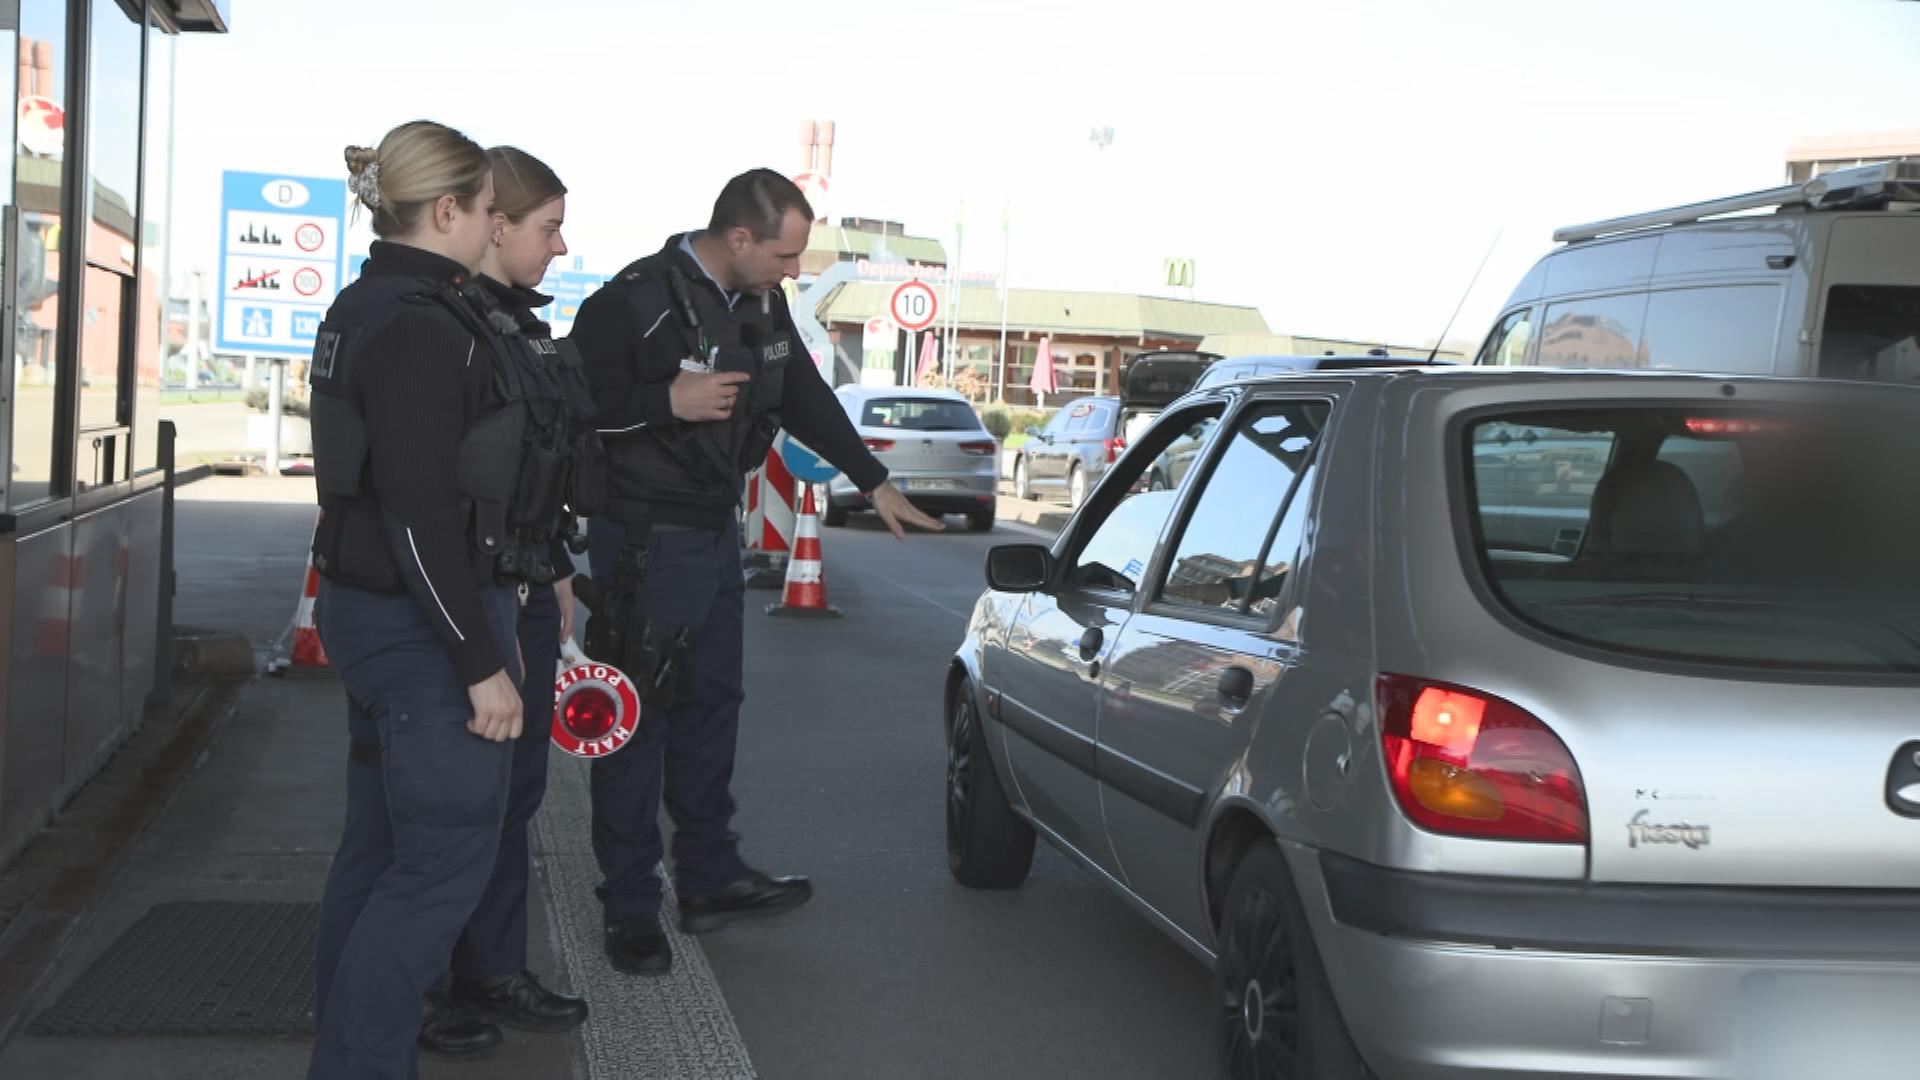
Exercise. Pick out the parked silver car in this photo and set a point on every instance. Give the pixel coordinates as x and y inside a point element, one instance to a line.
<point>935,449</point>
<point>1485,723</point>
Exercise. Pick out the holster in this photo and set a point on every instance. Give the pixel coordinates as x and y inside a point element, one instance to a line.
<point>618,633</point>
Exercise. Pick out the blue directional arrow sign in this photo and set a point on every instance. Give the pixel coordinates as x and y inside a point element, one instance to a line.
<point>805,465</point>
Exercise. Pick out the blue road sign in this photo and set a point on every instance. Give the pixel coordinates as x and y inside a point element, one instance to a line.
<point>280,261</point>
<point>805,465</point>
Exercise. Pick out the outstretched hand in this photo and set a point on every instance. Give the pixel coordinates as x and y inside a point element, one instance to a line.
<point>898,513</point>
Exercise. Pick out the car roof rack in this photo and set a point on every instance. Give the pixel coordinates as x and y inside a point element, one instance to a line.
<point>1861,188</point>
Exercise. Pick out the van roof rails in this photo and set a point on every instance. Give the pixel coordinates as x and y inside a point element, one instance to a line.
<point>1860,188</point>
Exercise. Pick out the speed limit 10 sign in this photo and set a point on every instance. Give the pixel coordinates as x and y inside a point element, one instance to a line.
<point>914,305</point>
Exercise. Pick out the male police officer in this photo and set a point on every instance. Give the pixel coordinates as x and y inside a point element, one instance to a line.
<point>696,365</point>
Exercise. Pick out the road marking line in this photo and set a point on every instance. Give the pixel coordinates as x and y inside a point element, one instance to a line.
<point>669,1027</point>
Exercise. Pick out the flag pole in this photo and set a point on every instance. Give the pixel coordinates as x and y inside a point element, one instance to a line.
<point>1006,290</point>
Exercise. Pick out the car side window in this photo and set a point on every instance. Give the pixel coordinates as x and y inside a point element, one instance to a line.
<point>1237,546</point>
<point>1114,541</point>
<point>1057,423</point>
<point>1507,345</point>
<point>1085,419</point>
<point>1598,332</point>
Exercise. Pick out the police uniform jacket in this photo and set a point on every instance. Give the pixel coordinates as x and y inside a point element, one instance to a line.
<point>637,334</point>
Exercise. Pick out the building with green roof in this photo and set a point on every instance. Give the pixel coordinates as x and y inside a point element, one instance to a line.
<point>1090,335</point>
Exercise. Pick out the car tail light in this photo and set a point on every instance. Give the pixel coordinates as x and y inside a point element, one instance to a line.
<point>878,444</point>
<point>589,713</point>
<point>1114,446</point>
<point>982,448</point>
<point>1464,763</point>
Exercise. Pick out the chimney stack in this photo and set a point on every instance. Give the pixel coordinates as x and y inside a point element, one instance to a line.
<point>809,134</point>
<point>43,70</point>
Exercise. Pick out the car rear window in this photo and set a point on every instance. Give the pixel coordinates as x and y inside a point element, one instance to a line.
<point>1779,538</point>
<point>919,414</point>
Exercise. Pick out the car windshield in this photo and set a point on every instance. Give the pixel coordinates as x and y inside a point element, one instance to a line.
<point>1777,539</point>
<point>919,414</point>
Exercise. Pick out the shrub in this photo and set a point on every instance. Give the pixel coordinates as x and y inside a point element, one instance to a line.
<point>998,421</point>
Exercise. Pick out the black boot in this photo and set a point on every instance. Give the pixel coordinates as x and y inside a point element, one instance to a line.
<point>755,896</point>
<point>519,1001</point>
<point>450,1033</point>
<point>639,947</point>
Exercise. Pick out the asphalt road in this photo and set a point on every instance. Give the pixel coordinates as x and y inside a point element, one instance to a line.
<point>894,969</point>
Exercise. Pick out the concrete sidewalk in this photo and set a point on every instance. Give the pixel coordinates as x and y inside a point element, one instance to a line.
<point>234,793</point>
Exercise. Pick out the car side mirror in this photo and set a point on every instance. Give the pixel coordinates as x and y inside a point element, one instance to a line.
<point>1019,568</point>
<point>1032,432</point>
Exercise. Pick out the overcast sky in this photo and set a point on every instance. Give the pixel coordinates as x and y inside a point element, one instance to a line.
<point>1341,166</point>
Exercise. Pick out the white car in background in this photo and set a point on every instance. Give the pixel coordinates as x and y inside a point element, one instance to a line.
<point>936,450</point>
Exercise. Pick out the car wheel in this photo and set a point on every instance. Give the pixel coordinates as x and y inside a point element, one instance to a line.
<point>1022,489</point>
<point>988,845</point>
<point>980,520</point>
<point>1076,487</point>
<point>1277,1019</point>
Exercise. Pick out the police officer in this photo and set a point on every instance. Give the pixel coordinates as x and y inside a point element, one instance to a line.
<point>418,418</point>
<point>695,365</point>
<point>491,981</point>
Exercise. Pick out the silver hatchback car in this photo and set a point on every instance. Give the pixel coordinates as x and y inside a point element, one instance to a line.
<point>1479,723</point>
<point>935,449</point>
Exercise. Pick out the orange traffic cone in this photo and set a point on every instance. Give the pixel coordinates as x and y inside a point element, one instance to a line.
<point>308,652</point>
<point>806,593</point>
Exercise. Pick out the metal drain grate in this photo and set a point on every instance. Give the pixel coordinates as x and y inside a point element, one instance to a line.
<point>221,968</point>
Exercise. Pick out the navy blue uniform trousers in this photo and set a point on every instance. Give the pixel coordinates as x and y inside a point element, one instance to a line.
<point>495,940</point>
<point>683,755</point>
<point>425,803</point>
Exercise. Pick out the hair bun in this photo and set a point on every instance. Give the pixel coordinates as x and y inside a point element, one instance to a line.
<point>363,175</point>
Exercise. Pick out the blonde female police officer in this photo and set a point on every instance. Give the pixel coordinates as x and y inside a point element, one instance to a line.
<point>491,983</point>
<point>418,430</point>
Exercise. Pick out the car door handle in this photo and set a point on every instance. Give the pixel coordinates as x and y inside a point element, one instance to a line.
<point>1236,687</point>
<point>1090,643</point>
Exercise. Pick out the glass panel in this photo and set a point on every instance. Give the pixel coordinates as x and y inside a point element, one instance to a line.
<point>152,331</point>
<point>1871,332</point>
<point>105,305</point>
<point>919,414</point>
<point>1508,345</point>
<point>1284,552</point>
<point>1602,332</point>
<point>1727,328</point>
<point>113,89</point>
<point>1778,539</point>
<point>40,178</point>
<point>1218,556</point>
<point>1117,547</point>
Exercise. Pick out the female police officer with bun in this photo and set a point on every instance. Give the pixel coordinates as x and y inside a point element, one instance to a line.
<point>412,609</point>
<point>490,977</point>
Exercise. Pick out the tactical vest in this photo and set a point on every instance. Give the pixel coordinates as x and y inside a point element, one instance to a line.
<point>563,476</point>
<point>350,545</point>
<point>750,338</point>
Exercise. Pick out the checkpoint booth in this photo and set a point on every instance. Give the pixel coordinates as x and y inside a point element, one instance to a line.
<point>84,476</point>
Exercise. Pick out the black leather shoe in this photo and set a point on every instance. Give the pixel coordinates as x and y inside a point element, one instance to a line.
<point>639,947</point>
<point>450,1033</point>
<point>519,1001</point>
<point>755,896</point>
